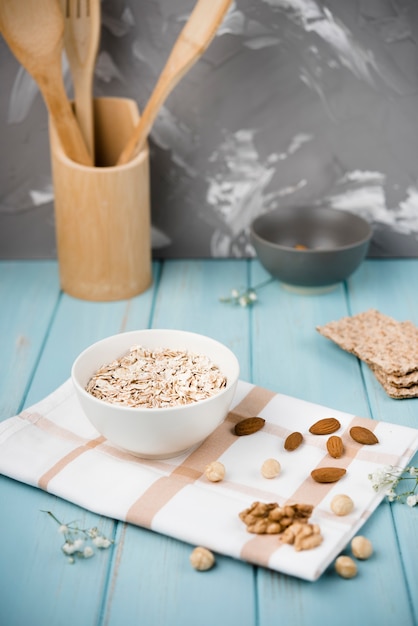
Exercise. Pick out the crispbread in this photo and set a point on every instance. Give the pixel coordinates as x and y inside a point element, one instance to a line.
<point>392,390</point>
<point>408,380</point>
<point>378,340</point>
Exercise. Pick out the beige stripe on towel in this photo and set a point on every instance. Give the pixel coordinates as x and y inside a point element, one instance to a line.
<point>68,458</point>
<point>159,493</point>
<point>260,548</point>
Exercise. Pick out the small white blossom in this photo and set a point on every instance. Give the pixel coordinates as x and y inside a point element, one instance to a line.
<point>389,479</point>
<point>79,544</point>
<point>75,546</point>
<point>88,552</point>
<point>247,297</point>
<point>68,548</point>
<point>101,542</point>
<point>391,495</point>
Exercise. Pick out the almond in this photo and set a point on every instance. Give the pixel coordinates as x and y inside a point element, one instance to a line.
<point>293,441</point>
<point>325,426</point>
<point>249,425</point>
<point>363,435</point>
<point>328,474</point>
<point>335,446</point>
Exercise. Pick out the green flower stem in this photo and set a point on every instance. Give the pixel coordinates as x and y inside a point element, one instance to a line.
<point>247,297</point>
<point>77,539</point>
<point>389,479</point>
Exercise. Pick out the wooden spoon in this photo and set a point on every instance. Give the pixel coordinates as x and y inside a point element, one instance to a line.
<point>193,40</point>
<point>81,42</point>
<point>33,30</point>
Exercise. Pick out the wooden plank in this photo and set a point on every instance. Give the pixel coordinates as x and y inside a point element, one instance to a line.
<point>289,355</point>
<point>59,593</point>
<point>154,583</point>
<point>390,287</point>
<point>146,578</point>
<point>28,295</point>
<point>296,360</point>
<point>397,299</point>
<point>41,587</point>
<point>189,299</point>
<point>79,323</point>
<point>153,575</point>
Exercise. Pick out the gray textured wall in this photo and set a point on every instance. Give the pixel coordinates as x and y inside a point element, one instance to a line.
<point>295,102</point>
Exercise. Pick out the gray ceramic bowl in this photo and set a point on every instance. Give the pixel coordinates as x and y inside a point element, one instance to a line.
<point>310,247</point>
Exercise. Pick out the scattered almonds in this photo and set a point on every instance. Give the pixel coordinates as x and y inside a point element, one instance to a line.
<point>293,441</point>
<point>302,536</point>
<point>270,468</point>
<point>328,474</point>
<point>156,378</point>
<point>363,435</point>
<point>249,426</point>
<point>261,518</point>
<point>325,426</point>
<point>335,446</point>
<point>341,504</point>
<point>361,547</point>
<point>345,567</point>
<point>215,471</point>
<point>202,559</point>
<point>165,377</point>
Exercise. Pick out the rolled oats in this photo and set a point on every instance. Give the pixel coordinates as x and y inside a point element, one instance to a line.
<point>157,378</point>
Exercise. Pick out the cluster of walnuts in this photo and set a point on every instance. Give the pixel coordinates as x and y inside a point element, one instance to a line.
<point>289,521</point>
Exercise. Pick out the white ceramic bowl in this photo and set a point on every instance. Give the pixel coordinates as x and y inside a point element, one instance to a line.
<point>155,432</point>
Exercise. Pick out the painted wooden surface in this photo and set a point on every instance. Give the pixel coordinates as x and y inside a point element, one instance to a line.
<point>146,579</point>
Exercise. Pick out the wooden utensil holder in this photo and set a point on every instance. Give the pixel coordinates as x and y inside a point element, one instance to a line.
<point>102,213</point>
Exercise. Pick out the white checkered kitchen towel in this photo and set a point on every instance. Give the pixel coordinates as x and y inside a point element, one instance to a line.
<point>53,446</point>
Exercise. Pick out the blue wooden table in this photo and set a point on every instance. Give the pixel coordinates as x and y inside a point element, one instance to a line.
<point>145,579</point>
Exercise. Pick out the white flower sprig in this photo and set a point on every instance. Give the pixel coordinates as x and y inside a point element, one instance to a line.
<point>79,542</point>
<point>245,298</point>
<point>388,479</point>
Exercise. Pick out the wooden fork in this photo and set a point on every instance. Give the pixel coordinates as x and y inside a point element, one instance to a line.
<point>81,41</point>
<point>33,31</point>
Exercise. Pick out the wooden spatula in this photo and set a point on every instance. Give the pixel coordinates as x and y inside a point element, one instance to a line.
<point>193,40</point>
<point>81,42</point>
<point>33,30</point>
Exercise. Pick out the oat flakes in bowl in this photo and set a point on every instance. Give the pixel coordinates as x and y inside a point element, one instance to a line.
<point>156,392</point>
<point>157,378</point>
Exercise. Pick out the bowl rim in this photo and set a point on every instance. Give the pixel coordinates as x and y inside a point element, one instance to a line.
<point>304,208</point>
<point>231,381</point>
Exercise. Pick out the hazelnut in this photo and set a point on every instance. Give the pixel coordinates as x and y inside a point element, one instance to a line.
<point>270,468</point>
<point>215,471</point>
<point>345,567</point>
<point>361,547</point>
<point>202,559</point>
<point>342,504</point>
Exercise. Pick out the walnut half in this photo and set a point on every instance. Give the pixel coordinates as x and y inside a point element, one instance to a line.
<point>302,536</point>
